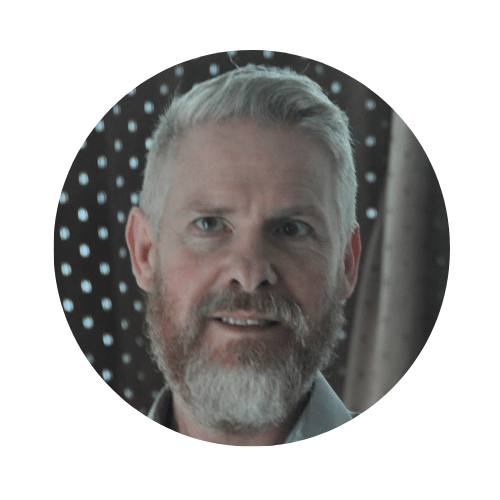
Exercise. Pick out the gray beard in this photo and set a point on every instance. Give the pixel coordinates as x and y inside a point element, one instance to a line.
<point>252,385</point>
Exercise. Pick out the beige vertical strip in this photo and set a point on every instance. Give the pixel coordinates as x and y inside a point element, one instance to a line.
<point>390,309</point>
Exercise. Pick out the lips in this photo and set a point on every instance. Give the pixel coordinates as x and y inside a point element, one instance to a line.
<point>247,322</point>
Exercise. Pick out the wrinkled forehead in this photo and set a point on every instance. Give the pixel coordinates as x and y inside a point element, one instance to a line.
<point>225,156</point>
<point>239,150</point>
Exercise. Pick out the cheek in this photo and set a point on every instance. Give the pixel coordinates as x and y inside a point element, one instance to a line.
<point>186,278</point>
<point>312,286</point>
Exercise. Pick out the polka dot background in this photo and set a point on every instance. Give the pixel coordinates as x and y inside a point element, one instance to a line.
<point>101,301</point>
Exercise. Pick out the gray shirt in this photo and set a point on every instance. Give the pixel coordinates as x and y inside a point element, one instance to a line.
<point>323,412</point>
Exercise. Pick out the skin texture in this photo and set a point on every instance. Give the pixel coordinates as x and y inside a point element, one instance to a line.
<point>249,208</point>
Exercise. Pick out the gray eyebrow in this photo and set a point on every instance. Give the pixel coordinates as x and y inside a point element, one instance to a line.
<point>204,209</point>
<point>214,209</point>
<point>308,210</point>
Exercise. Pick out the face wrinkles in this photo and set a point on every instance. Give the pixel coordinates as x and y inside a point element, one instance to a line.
<point>249,215</point>
<point>251,179</point>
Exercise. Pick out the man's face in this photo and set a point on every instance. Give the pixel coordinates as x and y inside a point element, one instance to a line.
<point>249,208</point>
<point>248,265</point>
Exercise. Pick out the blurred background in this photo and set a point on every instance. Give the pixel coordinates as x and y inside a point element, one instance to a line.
<point>400,210</point>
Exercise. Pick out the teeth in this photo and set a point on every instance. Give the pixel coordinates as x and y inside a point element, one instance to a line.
<point>246,322</point>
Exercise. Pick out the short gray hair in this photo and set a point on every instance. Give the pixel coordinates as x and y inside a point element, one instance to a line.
<point>267,96</point>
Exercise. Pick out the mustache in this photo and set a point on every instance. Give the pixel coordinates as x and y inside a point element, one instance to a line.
<point>264,302</point>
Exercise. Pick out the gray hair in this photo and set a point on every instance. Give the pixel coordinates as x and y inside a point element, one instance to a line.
<point>268,96</point>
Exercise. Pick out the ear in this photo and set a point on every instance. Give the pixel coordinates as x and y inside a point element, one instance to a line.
<point>351,261</point>
<point>138,234</point>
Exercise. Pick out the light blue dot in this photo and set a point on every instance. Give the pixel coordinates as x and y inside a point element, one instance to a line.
<point>132,126</point>
<point>149,107</point>
<point>231,53</point>
<point>104,268</point>
<point>213,69</point>
<point>336,87</point>
<point>100,126</point>
<point>117,109</point>
<point>120,181</point>
<point>341,335</point>
<point>122,253</point>
<point>133,162</point>
<point>88,322</point>
<point>268,54</point>
<point>107,339</point>
<point>103,233</point>
<point>83,178</point>
<point>138,305</point>
<point>123,287</point>
<point>86,286</point>
<point>120,216</point>
<point>132,92</point>
<point>106,303</point>
<point>370,104</point>
<point>126,358</point>
<point>90,358</point>
<point>163,89</point>
<point>319,69</point>
<point>179,71</point>
<point>370,141</point>
<point>107,374</point>
<point>148,143</point>
<point>101,197</point>
<point>124,324</point>
<point>370,177</point>
<point>139,341</point>
<point>83,215</point>
<point>64,233</point>
<point>371,213</point>
<point>134,198</point>
<point>141,376</point>
<point>118,145</point>
<point>65,269</point>
<point>129,393</point>
<point>84,250</point>
<point>68,305</point>
<point>63,198</point>
<point>102,161</point>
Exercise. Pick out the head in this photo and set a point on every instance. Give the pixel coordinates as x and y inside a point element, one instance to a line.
<point>246,244</point>
<point>268,96</point>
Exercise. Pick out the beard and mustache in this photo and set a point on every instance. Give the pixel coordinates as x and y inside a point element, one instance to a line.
<point>253,384</point>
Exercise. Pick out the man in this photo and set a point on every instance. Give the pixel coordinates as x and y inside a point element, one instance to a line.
<point>246,244</point>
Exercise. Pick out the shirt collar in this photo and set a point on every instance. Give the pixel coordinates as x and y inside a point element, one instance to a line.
<point>323,412</point>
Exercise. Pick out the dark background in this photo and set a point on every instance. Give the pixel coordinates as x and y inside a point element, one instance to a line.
<point>101,300</point>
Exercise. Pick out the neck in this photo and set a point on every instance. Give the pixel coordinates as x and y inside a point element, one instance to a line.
<point>185,423</point>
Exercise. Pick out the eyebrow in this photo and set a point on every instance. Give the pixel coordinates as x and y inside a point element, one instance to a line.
<point>300,210</point>
<point>214,209</point>
<point>204,209</point>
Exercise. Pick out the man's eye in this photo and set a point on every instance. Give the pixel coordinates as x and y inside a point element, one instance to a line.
<point>210,224</point>
<point>294,229</point>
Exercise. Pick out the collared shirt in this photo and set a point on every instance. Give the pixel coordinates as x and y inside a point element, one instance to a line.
<point>323,412</point>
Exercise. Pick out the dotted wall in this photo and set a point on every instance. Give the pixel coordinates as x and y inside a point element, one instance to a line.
<point>100,298</point>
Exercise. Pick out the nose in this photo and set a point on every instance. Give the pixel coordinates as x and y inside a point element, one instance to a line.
<point>250,265</point>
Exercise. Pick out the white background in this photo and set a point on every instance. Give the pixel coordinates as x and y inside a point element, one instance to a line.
<point>65,434</point>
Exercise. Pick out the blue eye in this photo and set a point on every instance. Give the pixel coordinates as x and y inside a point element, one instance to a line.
<point>210,224</point>
<point>294,229</point>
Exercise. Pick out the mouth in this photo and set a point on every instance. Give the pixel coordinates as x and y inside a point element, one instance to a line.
<point>263,323</point>
<point>226,326</point>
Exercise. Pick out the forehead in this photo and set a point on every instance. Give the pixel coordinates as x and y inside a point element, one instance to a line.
<point>239,158</point>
